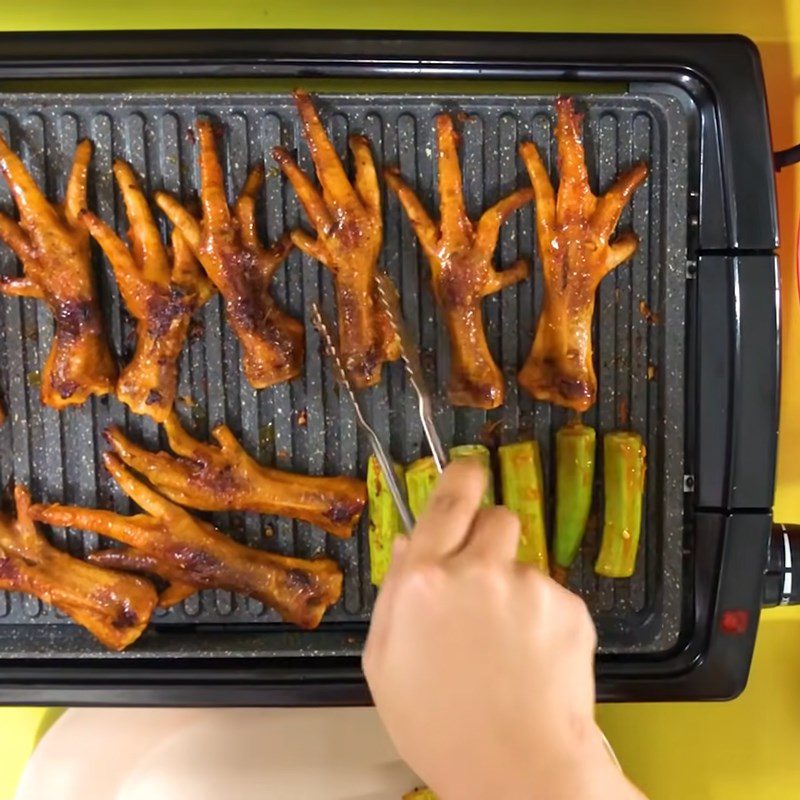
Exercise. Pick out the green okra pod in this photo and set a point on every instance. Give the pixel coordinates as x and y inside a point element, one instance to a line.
<point>575,454</point>
<point>624,472</point>
<point>385,523</point>
<point>478,451</point>
<point>523,493</point>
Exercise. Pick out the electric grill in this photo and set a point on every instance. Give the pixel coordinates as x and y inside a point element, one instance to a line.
<point>686,334</point>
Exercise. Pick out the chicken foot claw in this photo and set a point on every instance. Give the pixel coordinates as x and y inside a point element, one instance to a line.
<point>225,478</point>
<point>200,555</point>
<point>114,607</point>
<point>574,230</point>
<point>226,243</point>
<point>347,219</point>
<point>54,250</point>
<point>460,253</point>
<point>161,289</point>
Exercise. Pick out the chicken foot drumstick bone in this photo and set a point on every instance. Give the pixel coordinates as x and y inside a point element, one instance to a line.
<point>574,229</point>
<point>161,290</point>
<point>54,250</point>
<point>227,245</point>
<point>347,220</point>
<point>460,254</point>
<point>225,478</point>
<point>112,606</point>
<point>195,553</point>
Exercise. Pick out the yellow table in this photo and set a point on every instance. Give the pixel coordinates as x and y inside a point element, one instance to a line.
<point>745,749</point>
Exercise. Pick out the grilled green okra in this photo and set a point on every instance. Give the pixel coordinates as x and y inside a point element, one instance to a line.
<point>624,471</point>
<point>575,453</point>
<point>385,523</point>
<point>523,493</point>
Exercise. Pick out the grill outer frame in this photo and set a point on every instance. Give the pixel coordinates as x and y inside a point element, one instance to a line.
<point>736,220</point>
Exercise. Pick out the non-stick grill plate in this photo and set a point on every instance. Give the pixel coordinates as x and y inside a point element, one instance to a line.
<point>305,425</point>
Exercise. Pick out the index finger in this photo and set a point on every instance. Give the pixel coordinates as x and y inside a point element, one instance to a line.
<point>444,526</point>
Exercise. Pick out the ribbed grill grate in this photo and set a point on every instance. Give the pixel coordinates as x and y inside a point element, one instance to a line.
<point>640,364</point>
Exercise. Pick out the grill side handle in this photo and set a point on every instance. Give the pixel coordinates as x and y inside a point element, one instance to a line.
<point>782,575</point>
<point>786,158</point>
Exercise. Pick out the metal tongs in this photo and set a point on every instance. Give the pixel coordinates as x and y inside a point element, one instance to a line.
<point>409,350</point>
<point>340,374</point>
<point>410,354</point>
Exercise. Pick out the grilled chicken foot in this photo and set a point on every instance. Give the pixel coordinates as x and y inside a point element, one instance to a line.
<point>574,230</point>
<point>223,477</point>
<point>460,253</point>
<point>347,219</point>
<point>127,559</point>
<point>226,242</point>
<point>161,288</point>
<point>115,608</point>
<point>57,269</point>
<point>200,555</point>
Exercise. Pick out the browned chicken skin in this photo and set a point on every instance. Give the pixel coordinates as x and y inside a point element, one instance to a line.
<point>574,230</point>
<point>460,253</point>
<point>227,245</point>
<point>226,478</point>
<point>113,607</point>
<point>161,290</point>
<point>54,250</point>
<point>200,555</point>
<point>347,219</point>
<point>128,559</point>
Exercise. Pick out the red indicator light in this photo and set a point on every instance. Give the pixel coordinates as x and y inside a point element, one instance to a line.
<point>734,622</point>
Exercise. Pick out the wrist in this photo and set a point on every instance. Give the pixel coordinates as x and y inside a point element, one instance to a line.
<point>578,767</point>
<point>555,768</point>
<point>587,772</point>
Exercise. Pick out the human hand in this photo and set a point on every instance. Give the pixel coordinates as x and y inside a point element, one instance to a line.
<point>482,668</point>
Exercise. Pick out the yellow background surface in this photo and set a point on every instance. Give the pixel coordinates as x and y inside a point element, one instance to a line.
<point>746,749</point>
